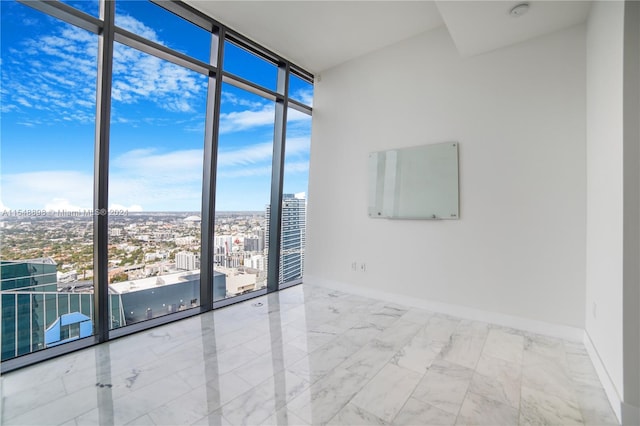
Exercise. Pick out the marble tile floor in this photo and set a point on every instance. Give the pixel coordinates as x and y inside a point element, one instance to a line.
<point>309,355</point>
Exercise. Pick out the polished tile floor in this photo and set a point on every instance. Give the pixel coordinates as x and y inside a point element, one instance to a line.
<point>309,355</point>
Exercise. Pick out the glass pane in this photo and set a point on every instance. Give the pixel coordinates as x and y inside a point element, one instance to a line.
<point>300,90</point>
<point>242,193</point>
<point>240,62</point>
<point>294,199</point>
<point>92,7</point>
<point>157,24</point>
<point>46,174</point>
<point>155,187</point>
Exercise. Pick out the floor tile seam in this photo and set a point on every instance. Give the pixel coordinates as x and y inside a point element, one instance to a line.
<point>520,361</point>
<point>360,408</point>
<point>257,359</point>
<point>5,418</point>
<point>508,403</point>
<point>26,394</point>
<point>131,422</point>
<point>309,378</point>
<point>473,369</point>
<point>307,386</point>
<point>88,386</point>
<point>364,376</point>
<point>410,395</point>
<point>584,408</point>
<point>353,395</point>
<point>469,391</point>
<point>75,418</point>
<point>324,345</point>
<point>178,397</point>
<point>252,389</point>
<point>138,391</point>
<point>205,417</point>
<point>169,365</point>
<point>251,352</point>
<point>563,400</point>
<point>193,387</point>
<point>520,385</point>
<point>466,394</point>
<point>37,407</point>
<point>571,388</point>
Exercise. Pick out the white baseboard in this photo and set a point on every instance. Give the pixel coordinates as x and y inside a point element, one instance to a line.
<point>607,383</point>
<point>534,326</point>
<point>574,334</point>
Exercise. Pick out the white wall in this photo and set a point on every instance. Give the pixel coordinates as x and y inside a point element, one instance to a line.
<point>604,283</point>
<point>519,116</point>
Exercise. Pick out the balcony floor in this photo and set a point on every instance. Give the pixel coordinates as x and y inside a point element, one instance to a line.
<point>309,355</point>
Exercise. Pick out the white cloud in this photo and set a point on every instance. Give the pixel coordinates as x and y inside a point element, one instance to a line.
<point>156,180</point>
<point>296,167</point>
<point>58,204</point>
<point>23,102</point>
<point>295,115</point>
<point>249,155</point>
<point>148,162</point>
<point>297,146</point>
<point>150,180</point>
<point>257,116</point>
<point>131,24</point>
<point>138,76</point>
<point>304,95</point>
<point>48,189</point>
<point>55,75</point>
<point>264,171</point>
<point>235,100</point>
<point>242,120</point>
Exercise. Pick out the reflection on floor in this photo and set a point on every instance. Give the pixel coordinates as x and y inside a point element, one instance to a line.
<point>309,355</point>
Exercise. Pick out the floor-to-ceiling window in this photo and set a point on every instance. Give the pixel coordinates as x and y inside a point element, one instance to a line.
<point>143,146</point>
<point>243,188</point>
<point>46,161</point>
<point>295,182</point>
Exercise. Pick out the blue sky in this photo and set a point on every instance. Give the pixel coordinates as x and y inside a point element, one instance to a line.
<point>157,118</point>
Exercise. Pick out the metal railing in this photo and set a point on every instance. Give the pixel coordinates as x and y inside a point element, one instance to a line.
<point>27,314</point>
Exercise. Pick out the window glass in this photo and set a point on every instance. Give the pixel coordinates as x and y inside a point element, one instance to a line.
<point>91,7</point>
<point>161,26</point>
<point>243,191</point>
<point>155,185</point>
<point>300,90</point>
<point>294,197</point>
<point>240,62</point>
<point>46,175</point>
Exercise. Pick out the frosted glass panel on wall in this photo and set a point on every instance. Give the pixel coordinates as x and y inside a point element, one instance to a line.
<point>414,183</point>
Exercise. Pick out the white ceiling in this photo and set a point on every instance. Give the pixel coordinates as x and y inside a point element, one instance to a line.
<point>318,35</point>
<point>480,26</point>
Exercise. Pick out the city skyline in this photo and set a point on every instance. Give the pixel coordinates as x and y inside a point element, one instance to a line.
<point>157,119</point>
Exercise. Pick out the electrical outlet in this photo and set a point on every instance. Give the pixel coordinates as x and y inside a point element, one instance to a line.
<point>354,266</point>
<point>363,267</point>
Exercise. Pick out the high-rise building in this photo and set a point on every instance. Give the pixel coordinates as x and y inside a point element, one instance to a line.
<point>251,244</point>
<point>294,213</point>
<point>21,281</point>
<point>187,261</point>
